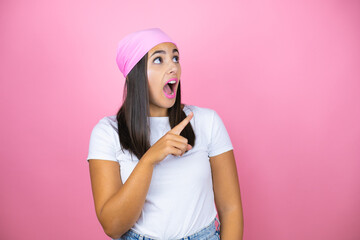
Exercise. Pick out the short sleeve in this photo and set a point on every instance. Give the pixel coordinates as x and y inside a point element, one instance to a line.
<point>102,144</point>
<point>219,138</point>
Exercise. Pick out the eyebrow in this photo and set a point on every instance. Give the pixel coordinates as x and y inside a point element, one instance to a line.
<point>163,52</point>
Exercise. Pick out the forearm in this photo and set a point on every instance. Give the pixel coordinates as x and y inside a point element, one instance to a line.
<point>232,224</point>
<point>123,209</point>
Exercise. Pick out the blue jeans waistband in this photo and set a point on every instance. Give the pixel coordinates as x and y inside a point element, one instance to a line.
<point>210,230</point>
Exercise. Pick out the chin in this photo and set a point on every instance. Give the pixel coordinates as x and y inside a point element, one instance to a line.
<point>169,105</point>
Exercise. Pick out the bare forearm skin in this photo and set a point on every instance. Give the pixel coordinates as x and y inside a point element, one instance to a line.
<point>123,209</point>
<point>232,225</point>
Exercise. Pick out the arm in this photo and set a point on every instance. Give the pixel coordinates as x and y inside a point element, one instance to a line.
<point>117,205</point>
<point>227,195</point>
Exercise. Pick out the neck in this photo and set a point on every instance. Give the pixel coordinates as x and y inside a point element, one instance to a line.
<point>159,112</point>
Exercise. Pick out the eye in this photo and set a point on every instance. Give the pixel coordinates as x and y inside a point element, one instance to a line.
<point>157,60</point>
<point>176,58</point>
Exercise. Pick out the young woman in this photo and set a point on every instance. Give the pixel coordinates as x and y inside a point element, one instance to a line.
<point>159,167</point>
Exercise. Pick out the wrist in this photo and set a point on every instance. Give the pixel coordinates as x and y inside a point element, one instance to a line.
<point>146,160</point>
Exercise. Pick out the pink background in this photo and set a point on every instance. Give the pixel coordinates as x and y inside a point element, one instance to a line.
<point>283,76</point>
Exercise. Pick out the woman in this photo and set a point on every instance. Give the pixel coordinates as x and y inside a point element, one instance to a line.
<point>167,162</point>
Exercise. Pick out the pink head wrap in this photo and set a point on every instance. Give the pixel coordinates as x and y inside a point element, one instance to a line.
<point>134,46</point>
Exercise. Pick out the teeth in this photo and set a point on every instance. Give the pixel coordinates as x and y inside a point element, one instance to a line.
<point>172,82</point>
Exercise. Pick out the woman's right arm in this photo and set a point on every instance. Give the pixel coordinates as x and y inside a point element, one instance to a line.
<point>117,205</point>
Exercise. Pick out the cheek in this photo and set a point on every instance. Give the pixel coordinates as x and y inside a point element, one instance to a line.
<point>179,70</point>
<point>152,75</point>
<point>151,79</point>
<point>154,84</point>
<point>154,79</point>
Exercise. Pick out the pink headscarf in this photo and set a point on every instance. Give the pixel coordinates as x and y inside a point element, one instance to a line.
<point>135,45</point>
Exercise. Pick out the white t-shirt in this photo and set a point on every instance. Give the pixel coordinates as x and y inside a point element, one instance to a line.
<point>180,200</point>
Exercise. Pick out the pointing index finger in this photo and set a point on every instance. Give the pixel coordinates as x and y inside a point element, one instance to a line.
<point>178,128</point>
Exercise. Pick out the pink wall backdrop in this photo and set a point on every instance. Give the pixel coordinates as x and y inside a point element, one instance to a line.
<point>284,77</point>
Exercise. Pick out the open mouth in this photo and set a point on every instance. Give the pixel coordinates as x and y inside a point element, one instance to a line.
<point>169,88</point>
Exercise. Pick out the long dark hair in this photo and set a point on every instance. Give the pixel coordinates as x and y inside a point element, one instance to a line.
<point>132,116</point>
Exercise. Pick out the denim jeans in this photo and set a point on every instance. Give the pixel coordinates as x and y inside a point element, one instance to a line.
<point>208,233</point>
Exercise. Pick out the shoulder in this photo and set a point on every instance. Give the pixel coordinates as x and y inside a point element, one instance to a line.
<point>107,124</point>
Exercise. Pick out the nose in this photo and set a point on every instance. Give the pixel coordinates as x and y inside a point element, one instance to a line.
<point>173,67</point>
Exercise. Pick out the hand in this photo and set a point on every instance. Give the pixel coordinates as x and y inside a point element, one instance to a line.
<point>170,143</point>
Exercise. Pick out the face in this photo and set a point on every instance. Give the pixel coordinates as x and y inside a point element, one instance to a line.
<point>163,71</point>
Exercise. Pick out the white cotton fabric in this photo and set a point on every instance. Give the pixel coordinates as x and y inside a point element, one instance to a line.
<point>180,200</point>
